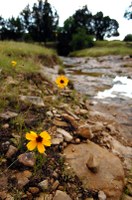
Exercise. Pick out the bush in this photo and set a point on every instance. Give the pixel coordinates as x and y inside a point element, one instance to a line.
<point>81,40</point>
<point>128,38</point>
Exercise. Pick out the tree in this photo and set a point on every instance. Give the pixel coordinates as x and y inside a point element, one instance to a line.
<point>12,29</point>
<point>104,26</point>
<point>92,25</point>
<point>41,22</point>
<point>128,12</point>
<point>128,38</point>
<point>2,24</point>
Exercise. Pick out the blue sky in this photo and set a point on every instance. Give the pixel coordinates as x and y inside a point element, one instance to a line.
<point>65,8</point>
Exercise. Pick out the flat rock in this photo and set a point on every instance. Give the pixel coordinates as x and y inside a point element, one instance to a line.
<point>110,175</point>
<point>8,115</point>
<point>27,159</point>
<point>37,101</point>
<point>60,195</point>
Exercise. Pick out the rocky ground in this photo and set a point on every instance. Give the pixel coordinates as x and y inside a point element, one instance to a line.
<point>89,158</point>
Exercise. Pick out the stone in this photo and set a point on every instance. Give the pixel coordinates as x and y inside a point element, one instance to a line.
<point>27,159</point>
<point>110,177</point>
<point>98,126</point>
<point>11,151</point>
<point>8,115</point>
<point>55,185</point>
<point>93,163</point>
<point>5,126</point>
<point>60,123</point>
<point>44,196</point>
<point>33,190</point>
<point>44,184</point>
<point>71,120</point>
<point>67,136</point>
<point>85,131</point>
<point>101,195</point>
<point>37,101</point>
<point>22,178</point>
<point>60,195</point>
<point>58,139</point>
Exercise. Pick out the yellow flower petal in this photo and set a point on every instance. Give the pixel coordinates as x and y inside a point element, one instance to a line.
<point>31,136</point>
<point>40,147</point>
<point>31,145</point>
<point>46,142</point>
<point>45,135</point>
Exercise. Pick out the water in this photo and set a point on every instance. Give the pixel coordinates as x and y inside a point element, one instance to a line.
<point>122,87</point>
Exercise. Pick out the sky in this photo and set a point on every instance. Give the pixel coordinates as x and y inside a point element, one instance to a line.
<point>113,8</point>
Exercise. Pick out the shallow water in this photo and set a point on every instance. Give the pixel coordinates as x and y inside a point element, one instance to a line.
<point>122,87</point>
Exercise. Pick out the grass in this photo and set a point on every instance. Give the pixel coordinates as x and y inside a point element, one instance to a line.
<point>103,48</point>
<point>28,56</point>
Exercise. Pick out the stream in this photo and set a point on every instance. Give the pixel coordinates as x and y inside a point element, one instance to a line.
<point>107,81</point>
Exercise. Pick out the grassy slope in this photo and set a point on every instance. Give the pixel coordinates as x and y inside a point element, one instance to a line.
<point>27,56</point>
<point>103,48</point>
<point>16,80</point>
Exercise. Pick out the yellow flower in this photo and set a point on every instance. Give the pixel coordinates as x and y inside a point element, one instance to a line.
<point>13,63</point>
<point>39,141</point>
<point>62,81</point>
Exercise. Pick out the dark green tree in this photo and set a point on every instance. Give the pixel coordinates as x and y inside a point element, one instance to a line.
<point>12,29</point>
<point>2,25</point>
<point>79,21</point>
<point>128,12</point>
<point>104,26</point>
<point>41,22</point>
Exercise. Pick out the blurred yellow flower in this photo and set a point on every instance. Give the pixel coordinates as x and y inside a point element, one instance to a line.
<point>62,81</point>
<point>13,63</point>
<point>39,141</point>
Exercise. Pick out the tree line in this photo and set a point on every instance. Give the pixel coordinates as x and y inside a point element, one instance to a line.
<point>40,24</point>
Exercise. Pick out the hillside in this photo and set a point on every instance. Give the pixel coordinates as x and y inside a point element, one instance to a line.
<point>87,158</point>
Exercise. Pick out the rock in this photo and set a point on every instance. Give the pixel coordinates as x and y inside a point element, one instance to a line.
<point>11,151</point>
<point>9,197</point>
<point>22,178</point>
<point>60,123</point>
<point>68,137</point>
<point>58,139</point>
<point>55,185</point>
<point>8,115</point>
<point>71,120</point>
<point>3,195</point>
<point>60,195</point>
<point>77,140</point>
<point>98,126</point>
<point>33,190</point>
<point>44,185</point>
<point>101,195</point>
<point>37,101</point>
<point>5,126</point>
<point>44,196</point>
<point>27,159</point>
<point>85,131</point>
<point>93,163</point>
<point>110,177</point>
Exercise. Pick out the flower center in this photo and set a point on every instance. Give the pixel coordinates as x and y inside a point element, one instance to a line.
<point>39,139</point>
<point>61,81</point>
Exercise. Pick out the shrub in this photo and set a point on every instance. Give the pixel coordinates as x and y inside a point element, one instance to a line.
<point>81,40</point>
<point>128,38</point>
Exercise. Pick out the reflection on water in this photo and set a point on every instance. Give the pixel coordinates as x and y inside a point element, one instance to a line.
<point>122,86</point>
